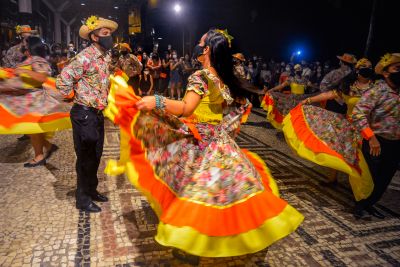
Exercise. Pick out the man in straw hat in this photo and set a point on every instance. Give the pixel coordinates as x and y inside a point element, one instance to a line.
<point>87,76</point>
<point>130,64</point>
<point>332,80</point>
<point>377,116</point>
<point>238,67</point>
<point>15,54</point>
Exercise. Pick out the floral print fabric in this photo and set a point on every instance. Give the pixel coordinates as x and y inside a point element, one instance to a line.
<point>335,131</point>
<point>379,109</point>
<point>286,102</point>
<point>210,168</point>
<point>88,75</point>
<point>20,101</point>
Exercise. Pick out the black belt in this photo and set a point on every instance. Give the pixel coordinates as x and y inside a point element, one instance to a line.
<point>95,110</point>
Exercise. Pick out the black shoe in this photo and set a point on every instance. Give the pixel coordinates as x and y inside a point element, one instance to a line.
<point>92,207</point>
<point>23,138</point>
<point>185,257</point>
<point>99,197</point>
<point>358,213</point>
<point>53,149</point>
<point>35,163</point>
<point>374,212</point>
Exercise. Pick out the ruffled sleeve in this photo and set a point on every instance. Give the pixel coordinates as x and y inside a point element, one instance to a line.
<point>198,83</point>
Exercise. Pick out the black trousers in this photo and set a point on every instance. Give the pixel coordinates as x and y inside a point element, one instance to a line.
<point>88,134</point>
<point>382,168</point>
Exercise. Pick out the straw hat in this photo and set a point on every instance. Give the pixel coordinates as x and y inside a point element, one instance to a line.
<point>363,63</point>
<point>19,29</point>
<point>94,23</point>
<point>386,61</point>
<point>298,67</point>
<point>123,46</point>
<point>349,58</point>
<point>239,56</point>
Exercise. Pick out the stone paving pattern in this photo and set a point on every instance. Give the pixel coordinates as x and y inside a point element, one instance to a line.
<point>41,227</point>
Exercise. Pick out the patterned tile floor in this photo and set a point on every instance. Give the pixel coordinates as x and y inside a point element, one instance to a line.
<point>39,225</point>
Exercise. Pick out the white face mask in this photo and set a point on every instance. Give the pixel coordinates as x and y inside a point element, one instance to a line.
<point>287,69</point>
<point>174,56</point>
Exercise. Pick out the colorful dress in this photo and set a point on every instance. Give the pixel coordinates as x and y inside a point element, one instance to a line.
<point>330,139</point>
<point>28,106</point>
<point>212,198</point>
<point>278,104</point>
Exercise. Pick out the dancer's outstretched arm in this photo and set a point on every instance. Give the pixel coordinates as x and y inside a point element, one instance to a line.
<point>181,108</point>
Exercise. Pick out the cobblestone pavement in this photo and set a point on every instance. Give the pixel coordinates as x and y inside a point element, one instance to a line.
<point>39,225</point>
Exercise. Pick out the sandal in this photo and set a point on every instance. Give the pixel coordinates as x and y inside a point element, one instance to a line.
<point>35,163</point>
<point>52,149</point>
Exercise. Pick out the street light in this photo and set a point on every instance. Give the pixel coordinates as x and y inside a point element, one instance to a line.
<point>177,8</point>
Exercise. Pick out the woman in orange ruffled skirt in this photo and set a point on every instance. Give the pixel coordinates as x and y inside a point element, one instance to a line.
<point>212,198</point>
<point>30,104</point>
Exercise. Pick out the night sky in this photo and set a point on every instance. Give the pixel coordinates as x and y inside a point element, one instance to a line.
<point>321,29</point>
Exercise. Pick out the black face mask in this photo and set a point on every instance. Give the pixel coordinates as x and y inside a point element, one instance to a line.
<point>124,53</point>
<point>395,78</point>
<point>366,72</point>
<point>299,72</point>
<point>106,42</point>
<point>197,51</point>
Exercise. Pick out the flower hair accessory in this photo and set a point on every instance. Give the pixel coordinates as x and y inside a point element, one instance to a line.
<point>386,60</point>
<point>226,35</point>
<point>362,62</point>
<point>18,29</point>
<point>92,22</point>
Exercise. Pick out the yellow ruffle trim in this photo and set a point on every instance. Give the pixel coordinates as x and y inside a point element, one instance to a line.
<point>193,242</point>
<point>35,127</point>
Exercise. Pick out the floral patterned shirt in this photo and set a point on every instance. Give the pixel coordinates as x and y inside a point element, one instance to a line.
<point>88,75</point>
<point>239,71</point>
<point>378,112</point>
<point>13,56</point>
<point>130,64</point>
<point>333,78</point>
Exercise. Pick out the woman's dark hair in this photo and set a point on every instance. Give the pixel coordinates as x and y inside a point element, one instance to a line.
<point>155,56</point>
<point>222,61</point>
<point>36,46</point>
<point>347,82</point>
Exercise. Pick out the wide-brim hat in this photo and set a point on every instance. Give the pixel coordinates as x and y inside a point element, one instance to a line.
<point>93,23</point>
<point>124,45</point>
<point>19,29</point>
<point>239,56</point>
<point>386,61</point>
<point>349,58</point>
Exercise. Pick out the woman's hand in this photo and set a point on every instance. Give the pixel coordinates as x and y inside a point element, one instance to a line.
<point>146,103</point>
<point>306,101</point>
<point>374,146</point>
